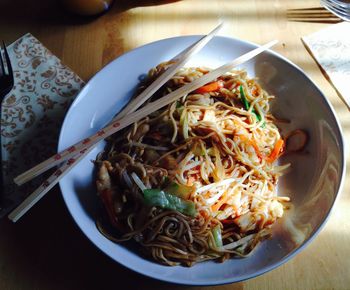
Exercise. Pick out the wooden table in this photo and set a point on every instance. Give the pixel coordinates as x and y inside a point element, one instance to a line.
<point>46,250</point>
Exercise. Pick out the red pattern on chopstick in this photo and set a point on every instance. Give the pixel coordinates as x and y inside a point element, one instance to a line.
<point>46,186</point>
<point>86,141</point>
<point>58,156</point>
<point>71,149</point>
<point>179,60</point>
<point>70,161</point>
<point>53,179</point>
<point>58,172</point>
<point>101,133</point>
<point>141,113</point>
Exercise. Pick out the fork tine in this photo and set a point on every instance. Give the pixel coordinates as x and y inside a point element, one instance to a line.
<point>8,62</point>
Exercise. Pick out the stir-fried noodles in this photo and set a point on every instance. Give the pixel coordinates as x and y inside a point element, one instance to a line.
<point>197,179</point>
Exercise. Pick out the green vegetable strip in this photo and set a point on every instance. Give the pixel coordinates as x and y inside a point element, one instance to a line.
<point>246,103</point>
<point>157,197</point>
<point>243,98</point>
<point>179,190</point>
<point>216,231</point>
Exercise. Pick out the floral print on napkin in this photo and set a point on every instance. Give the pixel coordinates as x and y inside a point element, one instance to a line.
<point>32,113</point>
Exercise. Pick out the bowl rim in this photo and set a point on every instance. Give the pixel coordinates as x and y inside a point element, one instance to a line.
<point>285,258</point>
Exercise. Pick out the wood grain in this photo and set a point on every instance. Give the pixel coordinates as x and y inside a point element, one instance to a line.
<point>64,258</point>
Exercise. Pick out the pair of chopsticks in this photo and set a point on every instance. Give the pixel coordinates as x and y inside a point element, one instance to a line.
<point>179,60</point>
<point>126,117</point>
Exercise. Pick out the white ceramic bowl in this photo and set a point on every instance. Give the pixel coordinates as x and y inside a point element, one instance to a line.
<point>312,184</point>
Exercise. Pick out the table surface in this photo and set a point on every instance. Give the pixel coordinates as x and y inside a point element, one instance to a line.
<point>46,250</point>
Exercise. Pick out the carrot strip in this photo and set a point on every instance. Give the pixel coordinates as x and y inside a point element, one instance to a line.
<point>107,200</point>
<point>211,87</point>
<point>223,200</point>
<point>228,221</point>
<point>252,143</point>
<point>276,151</point>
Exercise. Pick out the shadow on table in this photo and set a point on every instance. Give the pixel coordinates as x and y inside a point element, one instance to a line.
<point>52,11</point>
<point>47,251</point>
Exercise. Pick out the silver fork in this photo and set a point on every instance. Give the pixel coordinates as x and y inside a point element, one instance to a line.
<point>6,85</point>
<point>341,8</point>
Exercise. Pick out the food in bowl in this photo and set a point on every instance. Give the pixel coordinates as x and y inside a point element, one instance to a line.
<point>313,181</point>
<point>196,180</point>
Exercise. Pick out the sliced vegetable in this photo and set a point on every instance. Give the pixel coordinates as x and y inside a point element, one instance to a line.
<point>252,143</point>
<point>255,91</point>
<point>246,103</point>
<point>179,190</point>
<point>165,180</point>
<point>243,98</point>
<point>157,197</point>
<point>258,117</point>
<point>138,181</point>
<point>211,152</point>
<point>219,168</point>
<point>179,108</point>
<point>184,124</point>
<point>107,200</point>
<point>276,151</point>
<point>211,87</point>
<point>216,231</point>
<point>126,179</point>
<point>220,202</point>
<point>198,150</point>
<point>240,242</point>
<point>178,105</point>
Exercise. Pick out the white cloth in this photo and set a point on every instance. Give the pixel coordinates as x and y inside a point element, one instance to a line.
<point>331,49</point>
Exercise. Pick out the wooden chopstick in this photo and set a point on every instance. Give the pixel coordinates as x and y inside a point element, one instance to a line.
<point>179,60</point>
<point>119,124</point>
<point>44,188</point>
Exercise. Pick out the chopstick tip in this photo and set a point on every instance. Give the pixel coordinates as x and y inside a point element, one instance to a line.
<point>18,180</point>
<point>13,217</point>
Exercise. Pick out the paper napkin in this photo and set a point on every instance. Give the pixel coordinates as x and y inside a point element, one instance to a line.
<point>32,113</point>
<point>331,49</point>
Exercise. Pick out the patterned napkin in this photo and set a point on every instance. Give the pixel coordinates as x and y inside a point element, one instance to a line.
<point>331,49</point>
<point>32,113</point>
